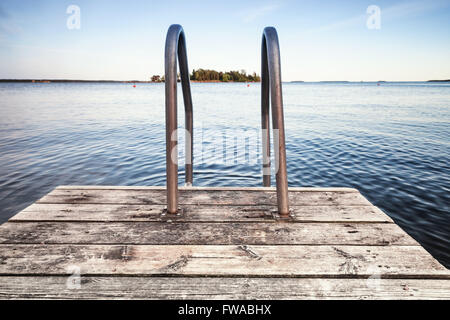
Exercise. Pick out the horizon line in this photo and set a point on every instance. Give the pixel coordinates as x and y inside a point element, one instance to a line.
<point>149,81</point>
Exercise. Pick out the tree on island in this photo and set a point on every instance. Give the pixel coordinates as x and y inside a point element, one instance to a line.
<point>213,75</point>
<point>225,77</point>
<point>218,76</point>
<point>156,78</point>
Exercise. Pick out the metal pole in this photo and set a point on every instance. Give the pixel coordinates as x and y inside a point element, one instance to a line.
<point>271,79</point>
<point>265,118</point>
<point>176,46</point>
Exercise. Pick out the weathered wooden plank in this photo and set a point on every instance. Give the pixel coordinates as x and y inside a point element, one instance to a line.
<point>194,213</point>
<point>220,288</point>
<point>340,246</point>
<point>204,233</point>
<point>202,197</point>
<point>288,261</point>
<point>199,188</point>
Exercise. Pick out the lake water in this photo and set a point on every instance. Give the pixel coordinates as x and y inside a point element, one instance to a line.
<point>392,142</point>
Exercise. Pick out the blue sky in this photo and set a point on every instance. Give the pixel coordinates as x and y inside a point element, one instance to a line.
<point>320,40</point>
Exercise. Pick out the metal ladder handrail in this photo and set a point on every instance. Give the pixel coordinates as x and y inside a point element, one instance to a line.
<point>271,91</point>
<point>176,46</point>
<point>271,83</point>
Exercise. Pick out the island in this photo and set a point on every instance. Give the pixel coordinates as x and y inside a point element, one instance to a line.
<point>199,75</point>
<point>207,75</point>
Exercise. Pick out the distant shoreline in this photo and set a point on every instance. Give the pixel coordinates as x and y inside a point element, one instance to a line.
<point>72,81</point>
<point>379,81</point>
<point>107,81</point>
<point>194,81</point>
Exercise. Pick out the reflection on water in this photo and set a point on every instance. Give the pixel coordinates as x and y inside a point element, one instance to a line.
<point>392,142</point>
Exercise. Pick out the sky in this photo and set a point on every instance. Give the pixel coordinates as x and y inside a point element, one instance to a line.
<point>319,40</point>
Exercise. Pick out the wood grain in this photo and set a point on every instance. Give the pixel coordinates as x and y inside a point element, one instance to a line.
<point>204,233</point>
<point>202,197</point>
<point>227,243</point>
<point>51,287</point>
<point>238,260</point>
<point>194,213</point>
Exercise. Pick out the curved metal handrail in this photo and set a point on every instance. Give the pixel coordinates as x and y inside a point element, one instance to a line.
<point>271,82</point>
<point>176,46</point>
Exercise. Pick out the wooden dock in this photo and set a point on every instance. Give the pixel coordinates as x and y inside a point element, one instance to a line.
<point>227,243</point>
